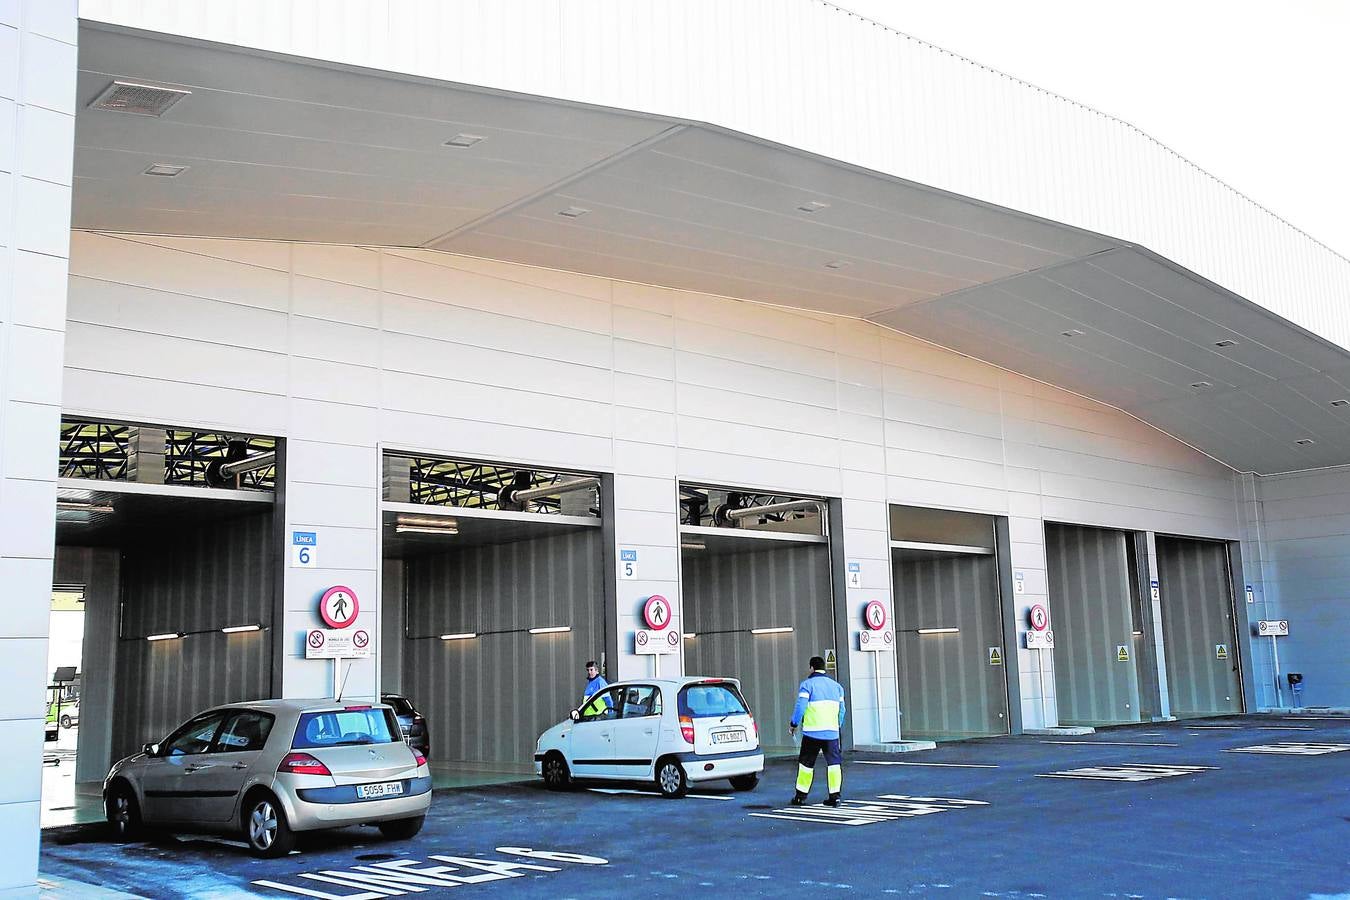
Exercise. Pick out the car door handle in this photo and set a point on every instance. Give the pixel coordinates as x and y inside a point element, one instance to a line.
<point>188,770</point>
<point>648,731</point>
<point>239,765</point>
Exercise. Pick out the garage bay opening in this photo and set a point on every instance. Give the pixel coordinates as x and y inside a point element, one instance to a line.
<point>493,602</point>
<point>757,592</point>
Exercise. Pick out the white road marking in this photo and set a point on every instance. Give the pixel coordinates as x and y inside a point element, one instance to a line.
<point>655,794</point>
<point>1111,743</point>
<point>1291,748</point>
<point>1212,727</point>
<point>1315,719</point>
<point>888,762</point>
<point>1131,772</point>
<point>1284,728</point>
<point>886,808</point>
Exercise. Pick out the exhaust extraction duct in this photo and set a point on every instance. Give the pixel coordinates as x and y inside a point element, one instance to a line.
<point>513,497</point>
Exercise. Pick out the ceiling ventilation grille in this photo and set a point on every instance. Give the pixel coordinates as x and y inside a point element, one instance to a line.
<point>138,99</point>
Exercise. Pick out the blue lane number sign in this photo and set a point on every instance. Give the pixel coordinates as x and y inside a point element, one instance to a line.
<point>304,549</point>
<point>628,564</point>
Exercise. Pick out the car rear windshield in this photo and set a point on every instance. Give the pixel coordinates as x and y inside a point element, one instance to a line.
<point>346,727</point>
<point>702,700</point>
<point>401,705</point>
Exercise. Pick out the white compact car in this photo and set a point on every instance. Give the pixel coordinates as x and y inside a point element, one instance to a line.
<point>271,768</point>
<point>674,732</point>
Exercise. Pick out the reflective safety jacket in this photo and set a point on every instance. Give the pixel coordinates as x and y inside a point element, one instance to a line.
<point>820,707</point>
<point>597,683</point>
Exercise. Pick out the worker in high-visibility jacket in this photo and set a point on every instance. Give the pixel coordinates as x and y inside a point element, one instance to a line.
<point>820,714</point>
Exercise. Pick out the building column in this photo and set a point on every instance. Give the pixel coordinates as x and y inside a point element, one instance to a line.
<point>37,141</point>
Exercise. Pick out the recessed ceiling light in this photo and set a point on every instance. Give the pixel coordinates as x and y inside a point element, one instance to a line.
<point>1072,332</point>
<point>1303,442</point>
<point>1202,385</point>
<point>838,264</point>
<point>812,206</point>
<point>573,212</point>
<point>164,170</point>
<point>1340,402</point>
<point>1225,343</point>
<point>462,140</point>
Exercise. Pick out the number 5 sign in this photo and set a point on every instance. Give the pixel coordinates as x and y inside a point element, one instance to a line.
<point>304,549</point>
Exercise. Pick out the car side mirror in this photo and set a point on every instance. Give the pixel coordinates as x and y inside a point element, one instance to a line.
<point>150,749</point>
<point>576,715</point>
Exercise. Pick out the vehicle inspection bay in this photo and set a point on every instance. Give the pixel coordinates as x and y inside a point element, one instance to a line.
<point>1250,806</point>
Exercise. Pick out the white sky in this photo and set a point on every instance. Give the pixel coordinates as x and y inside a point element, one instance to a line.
<point>1257,93</point>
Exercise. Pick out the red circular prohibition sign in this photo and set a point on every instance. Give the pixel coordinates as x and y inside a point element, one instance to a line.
<point>338,606</point>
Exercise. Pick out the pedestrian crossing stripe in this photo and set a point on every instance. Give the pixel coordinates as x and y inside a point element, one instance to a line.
<point>1291,748</point>
<point>886,808</point>
<point>1129,772</point>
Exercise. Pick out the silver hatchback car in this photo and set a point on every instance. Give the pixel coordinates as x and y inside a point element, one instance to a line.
<point>272,768</point>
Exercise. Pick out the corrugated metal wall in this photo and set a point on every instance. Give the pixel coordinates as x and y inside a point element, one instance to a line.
<point>488,699</point>
<point>204,579</point>
<point>1197,615</point>
<point>760,589</point>
<point>947,686</point>
<point>1091,616</point>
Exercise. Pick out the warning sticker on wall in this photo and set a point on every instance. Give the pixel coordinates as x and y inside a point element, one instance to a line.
<point>1220,651</point>
<point>831,663</point>
<point>1122,653</point>
<point>995,656</point>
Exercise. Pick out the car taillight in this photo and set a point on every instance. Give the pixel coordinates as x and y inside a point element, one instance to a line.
<point>687,729</point>
<point>302,764</point>
<point>421,760</point>
<point>756,724</point>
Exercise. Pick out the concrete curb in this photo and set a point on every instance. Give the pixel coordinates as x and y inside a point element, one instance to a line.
<point>1062,730</point>
<point>896,747</point>
<point>1308,710</point>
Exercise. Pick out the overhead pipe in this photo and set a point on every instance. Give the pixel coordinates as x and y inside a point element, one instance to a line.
<point>248,464</point>
<point>771,508</point>
<point>511,496</point>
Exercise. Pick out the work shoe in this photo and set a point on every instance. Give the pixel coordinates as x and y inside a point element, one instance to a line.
<point>798,799</point>
<point>832,800</point>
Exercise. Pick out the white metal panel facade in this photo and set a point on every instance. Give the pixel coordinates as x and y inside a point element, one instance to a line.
<point>476,358</point>
<point>37,127</point>
<point>810,75</point>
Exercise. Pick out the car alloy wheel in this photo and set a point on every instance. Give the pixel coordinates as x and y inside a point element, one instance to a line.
<point>262,825</point>
<point>123,814</point>
<point>556,775</point>
<point>671,780</point>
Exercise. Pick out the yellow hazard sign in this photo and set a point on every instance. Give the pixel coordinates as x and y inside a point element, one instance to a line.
<point>830,662</point>
<point>995,656</point>
<point>1122,653</point>
<point>1220,651</point>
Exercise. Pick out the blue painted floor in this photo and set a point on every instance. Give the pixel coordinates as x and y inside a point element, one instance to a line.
<point>1163,810</point>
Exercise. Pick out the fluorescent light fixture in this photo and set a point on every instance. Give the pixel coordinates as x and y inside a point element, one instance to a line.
<point>689,636</point>
<point>783,629</point>
<point>1137,633</point>
<point>83,506</point>
<point>239,629</point>
<point>168,636</point>
<point>573,212</point>
<point>811,206</point>
<point>424,529</point>
<point>693,545</point>
<point>462,140</point>
<point>462,636</point>
<point>939,630</point>
<point>165,170</point>
<point>551,629</point>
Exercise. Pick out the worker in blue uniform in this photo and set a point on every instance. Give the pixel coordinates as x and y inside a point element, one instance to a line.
<point>595,682</point>
<point>820,714</point>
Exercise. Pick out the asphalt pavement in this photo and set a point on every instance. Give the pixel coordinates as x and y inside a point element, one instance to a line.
<point>1252,806</point>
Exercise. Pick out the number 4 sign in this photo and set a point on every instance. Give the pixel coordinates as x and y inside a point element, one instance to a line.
<point>304,549</point>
